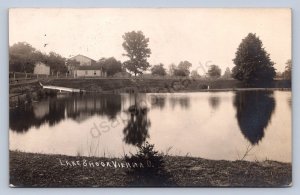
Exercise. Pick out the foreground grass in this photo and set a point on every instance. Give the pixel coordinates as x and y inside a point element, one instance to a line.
<point>40,170</point>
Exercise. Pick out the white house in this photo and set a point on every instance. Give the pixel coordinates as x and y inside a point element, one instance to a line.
<point>89,71</point>
<point>87,67</point>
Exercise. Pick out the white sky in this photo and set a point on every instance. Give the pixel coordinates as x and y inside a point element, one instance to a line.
<point>198,35</point>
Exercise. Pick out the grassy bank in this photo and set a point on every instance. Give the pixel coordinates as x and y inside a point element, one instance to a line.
<point>39,170</point>
<point>159,85</point>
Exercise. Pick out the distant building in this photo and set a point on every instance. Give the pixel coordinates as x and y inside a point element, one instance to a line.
<point>41,68</point>
<point>87,67</point>
<point>83,60</point>
<point>89,71</point>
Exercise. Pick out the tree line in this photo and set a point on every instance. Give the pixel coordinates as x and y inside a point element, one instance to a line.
<point>252,62</point>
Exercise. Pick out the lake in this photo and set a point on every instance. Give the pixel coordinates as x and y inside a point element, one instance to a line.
<point>249,125</point>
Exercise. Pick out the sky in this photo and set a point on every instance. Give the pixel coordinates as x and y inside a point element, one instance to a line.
<point>202,36</point>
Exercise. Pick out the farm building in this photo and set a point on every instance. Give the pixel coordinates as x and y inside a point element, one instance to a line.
<point>87,67</point>
<point>83,60</point>
<point>41,68</point>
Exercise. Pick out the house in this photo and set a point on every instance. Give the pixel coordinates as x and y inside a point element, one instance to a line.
<point>41,68</point>
<point>87,67</point>
<point>83,60</point>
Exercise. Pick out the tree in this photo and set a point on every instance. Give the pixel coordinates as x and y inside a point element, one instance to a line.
<point>72,64</point>
<point>56,63</point>
<point>172,68</point>
<point>21,57</point>
<point>183,68</point>
<point>214,71</point>
<point>158,70</point>
<point>195,74</point>
<point>252,62</point>
<point>227,73</point>
<point>111,66</point>
<point>136,47</point>
<point>287,74</point>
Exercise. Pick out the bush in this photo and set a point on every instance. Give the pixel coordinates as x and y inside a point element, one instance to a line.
<point>153,172</point>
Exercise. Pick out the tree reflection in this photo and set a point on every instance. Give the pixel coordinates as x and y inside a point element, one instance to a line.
<point>214,102</point>
<point>158,101</point>
<point>183,101</point>
<point>55,109</point>
<point>136,130</point>
<point>253,112</point>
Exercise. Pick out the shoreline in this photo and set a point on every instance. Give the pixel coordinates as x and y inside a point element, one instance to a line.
<point>50,170</point>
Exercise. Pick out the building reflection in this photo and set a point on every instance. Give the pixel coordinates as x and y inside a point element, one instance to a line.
<point>55,109</point>
<point>254,110</point>
<point>136,130</point>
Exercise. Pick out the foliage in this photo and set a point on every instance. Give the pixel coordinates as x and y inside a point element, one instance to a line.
<point>227,73</point>
<point>183,69</point>
<point>214,71</point>
<point>22,58</point>
<point>136,47</point>
<point>171,70</point>
<point>72,64</point>
<point>153,172</point>
<point>158,70</point>
<point>252,62</point>
<point>195,74</point>
<point>287,74</point>
<point>110,65</point>
<point>56,63</point>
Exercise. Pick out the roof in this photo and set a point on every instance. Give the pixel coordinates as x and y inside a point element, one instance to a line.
<point>93,67</point>
<point>82,56</point>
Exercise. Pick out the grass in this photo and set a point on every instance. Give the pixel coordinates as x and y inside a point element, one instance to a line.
<point>41,170</point>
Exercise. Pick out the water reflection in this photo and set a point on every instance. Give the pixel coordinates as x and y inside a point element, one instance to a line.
<point>214,102</point>
<point>55,109</point>
<point>136,130</point>
<point>158,101</point>
<point>290,102</point>
<point>253,112</point>
<point>182,101</point>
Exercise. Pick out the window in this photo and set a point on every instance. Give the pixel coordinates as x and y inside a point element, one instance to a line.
<point>86,72</point>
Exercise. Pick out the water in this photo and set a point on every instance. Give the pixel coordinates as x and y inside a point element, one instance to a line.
<point>249,125</point>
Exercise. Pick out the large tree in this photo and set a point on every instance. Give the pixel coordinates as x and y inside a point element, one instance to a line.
<point>287,74</point>
<point>21,57</point>
<point>110,65</point>
<point>136,47</point>
<point>227,73</point>
<point>183,68</point>
<point>214,71</point>
<point>252,62</point>
<point>158,70</point>
<point>57,63</point>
